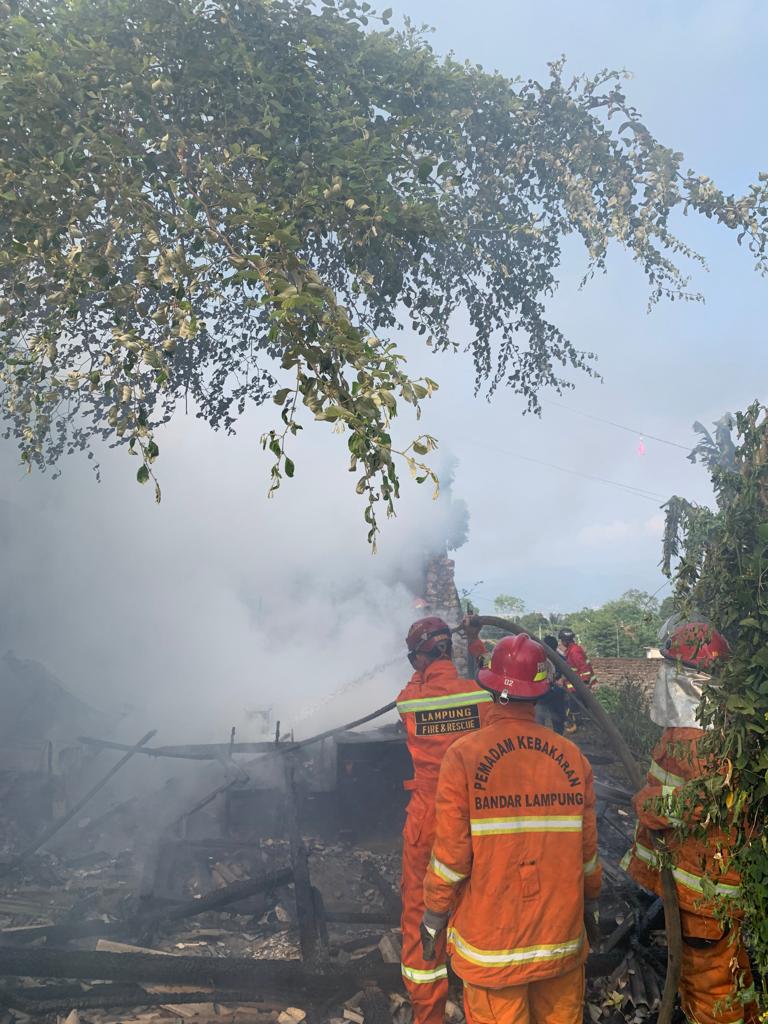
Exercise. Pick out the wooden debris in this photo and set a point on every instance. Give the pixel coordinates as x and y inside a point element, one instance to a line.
<point>185,1010</point>
<point>107,946</point>
<point>391,947</point>
<point>391,900</point>
<point>302,885</point>
<point>258,976</point>
<point>291,1015</point>
<point>375,1006</point>
<point>73,812</point>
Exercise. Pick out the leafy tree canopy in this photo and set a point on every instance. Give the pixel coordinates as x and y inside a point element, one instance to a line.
<point>717,558</point>
<point>623,628</point>
<point>225,202</point>
<point>509,606</point>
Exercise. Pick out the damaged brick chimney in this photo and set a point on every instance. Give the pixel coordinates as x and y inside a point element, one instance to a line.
<point>442,598</point>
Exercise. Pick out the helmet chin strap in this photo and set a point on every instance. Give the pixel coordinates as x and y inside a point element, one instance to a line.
<point>504,697</point>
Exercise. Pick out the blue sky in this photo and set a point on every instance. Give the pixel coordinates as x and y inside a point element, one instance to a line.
<point>152,604</point>
<point>699,79</point>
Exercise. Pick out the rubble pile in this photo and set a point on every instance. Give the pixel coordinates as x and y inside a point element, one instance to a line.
<point>222,922</point>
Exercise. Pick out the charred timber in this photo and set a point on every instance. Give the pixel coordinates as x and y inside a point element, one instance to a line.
<point>375,1006</point>
<point>372,917</point>
<point>218,899</point>
<point>371,874</point>
<point>107,996</point>
<point>263,976</point>
<point>259,976</point>
<point>184,752</point>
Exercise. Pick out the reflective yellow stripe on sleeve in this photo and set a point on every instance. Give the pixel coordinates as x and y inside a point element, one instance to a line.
<point>508,826</point>
<point>664,777</point>
<point>452,700</point>
<point>444,872</point>
<point>590,866</point>
<point>685,878</point>
<point>419,977</point>
<point>517,955</point>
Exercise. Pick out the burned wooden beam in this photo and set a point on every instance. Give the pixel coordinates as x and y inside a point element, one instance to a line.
<point>254,976</point>
<point>57,825</point>
<point>302,886</point>
<point>217,899</point>
<point>374,877</point>
<point>186,751</point>
<point>375,1006</point>
<point>612,794</point>
<point>372,917</point>
<point>269,977</point>
<point>633,923</point>
<point>107,996</point>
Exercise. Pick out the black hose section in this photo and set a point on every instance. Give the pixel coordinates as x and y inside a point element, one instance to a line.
<point>289,748</point>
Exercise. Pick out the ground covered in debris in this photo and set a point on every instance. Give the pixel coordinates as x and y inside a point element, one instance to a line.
<point>223,899</point>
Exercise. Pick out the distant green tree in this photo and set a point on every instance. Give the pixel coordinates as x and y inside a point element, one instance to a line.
<point>510,607</point>
<point>537,624</point>
<point>624,628</point>
<point>667,608</point>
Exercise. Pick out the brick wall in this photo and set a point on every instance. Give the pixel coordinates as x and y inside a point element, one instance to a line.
<point>442,599</point>
<point>610,671</point>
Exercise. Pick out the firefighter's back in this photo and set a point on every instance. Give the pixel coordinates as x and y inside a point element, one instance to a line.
<point>531,817</point>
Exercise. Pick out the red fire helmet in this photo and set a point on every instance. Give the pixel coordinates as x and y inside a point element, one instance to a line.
<point>697,645</point>
<point>424,633</point>
<point>518,669</point>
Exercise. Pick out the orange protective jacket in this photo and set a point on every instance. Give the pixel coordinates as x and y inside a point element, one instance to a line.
<point>696,862</point>
<point>437,707</point>
<point>577,658</point>
<point>515,852</point>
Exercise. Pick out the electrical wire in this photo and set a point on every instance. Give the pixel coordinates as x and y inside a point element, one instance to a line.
<point>619,426</point>
<point>639,492</point>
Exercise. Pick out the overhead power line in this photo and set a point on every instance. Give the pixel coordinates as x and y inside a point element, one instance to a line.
<point>640,492</point>
<point>619,426</point>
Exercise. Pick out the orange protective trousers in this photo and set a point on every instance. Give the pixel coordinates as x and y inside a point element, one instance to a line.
<point>709,980</point>
<point>558,1000</point>
<point>425,980</point>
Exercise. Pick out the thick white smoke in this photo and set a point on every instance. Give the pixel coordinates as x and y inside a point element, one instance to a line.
<point>191,615</point>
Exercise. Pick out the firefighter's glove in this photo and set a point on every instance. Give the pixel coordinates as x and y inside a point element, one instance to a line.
<point>432,925</point>
<point>592,922</point>
<point>469,628</point>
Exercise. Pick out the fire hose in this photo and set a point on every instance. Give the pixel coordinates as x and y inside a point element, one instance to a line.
<point>603,719</point>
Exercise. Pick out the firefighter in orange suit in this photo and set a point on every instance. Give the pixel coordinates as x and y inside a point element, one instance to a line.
<point>437,707</point>
<point>715,963</point>
<point>514,871</point>
<point>576,657</point>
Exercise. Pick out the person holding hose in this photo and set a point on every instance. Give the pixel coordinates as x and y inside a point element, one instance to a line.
<point>437,707</point>
<point>514,874</point>
<point>576,657</point>
<point>553,704</point>
<point>715,965</point>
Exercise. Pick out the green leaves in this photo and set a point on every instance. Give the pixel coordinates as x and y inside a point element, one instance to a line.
<point>718,559</point>
<point>228,193</point>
